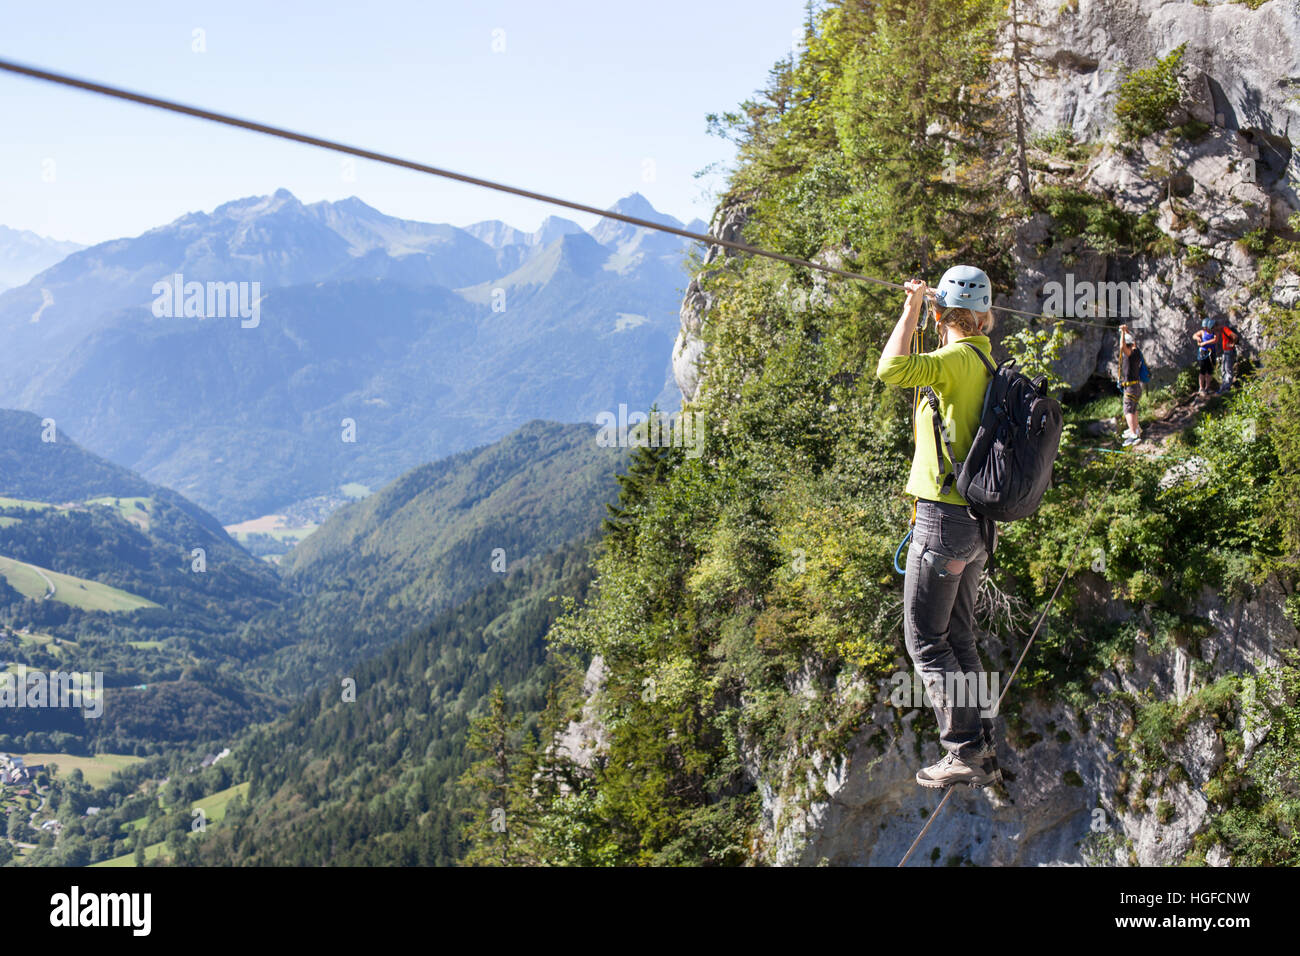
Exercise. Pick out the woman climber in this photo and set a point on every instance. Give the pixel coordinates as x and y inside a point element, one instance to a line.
<point>948,551</point>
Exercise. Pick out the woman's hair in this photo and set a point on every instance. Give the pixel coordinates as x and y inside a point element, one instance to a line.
<point>967,321</point>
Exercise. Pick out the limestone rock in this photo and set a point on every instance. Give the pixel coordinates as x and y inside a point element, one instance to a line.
<point>728,223</point>
<point>584,740</point>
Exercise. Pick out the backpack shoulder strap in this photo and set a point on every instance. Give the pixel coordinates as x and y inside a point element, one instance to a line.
<point>940,440</point>
<point>983,358</point>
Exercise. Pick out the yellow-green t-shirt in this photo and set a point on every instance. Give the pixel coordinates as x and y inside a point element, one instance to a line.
<point>960,379</point>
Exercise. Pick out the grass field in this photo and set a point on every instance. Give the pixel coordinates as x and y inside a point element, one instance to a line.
<point>150,852</point>
<point>44,640</point>
<point>134,510</point>
<point>24,503</point>
<point>27,580</point>
<point>272,526</point>
<point>97,770</point>
<point>213,807</point>
<point>279,534</point>
<point>23,578</point>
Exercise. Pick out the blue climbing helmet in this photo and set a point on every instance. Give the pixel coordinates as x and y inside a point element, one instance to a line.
<point>1207,323</point>
<point>964,287</point>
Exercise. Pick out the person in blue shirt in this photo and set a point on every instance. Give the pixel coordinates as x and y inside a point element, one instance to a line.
<point>1207,350</point>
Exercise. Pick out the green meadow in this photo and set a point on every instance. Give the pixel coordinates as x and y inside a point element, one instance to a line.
<point>76,592</point>
<point>96,770</point>
<point>213,807</point>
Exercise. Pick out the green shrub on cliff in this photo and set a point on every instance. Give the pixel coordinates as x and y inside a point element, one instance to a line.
<point>1149,96</point>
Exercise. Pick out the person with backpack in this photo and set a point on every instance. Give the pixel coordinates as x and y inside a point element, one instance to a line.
<point>1133,375</point>
<point>948,551</point>
<point>1206,350</point>
<point>1228,344</point>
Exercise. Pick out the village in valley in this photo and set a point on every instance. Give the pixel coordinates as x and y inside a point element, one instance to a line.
<point>39,800</point>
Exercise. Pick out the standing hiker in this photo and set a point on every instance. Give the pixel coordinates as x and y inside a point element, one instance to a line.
<point>1228,344</point>
<point>1206,349</point>
<point>948,552</point>
<point>1131,365</point>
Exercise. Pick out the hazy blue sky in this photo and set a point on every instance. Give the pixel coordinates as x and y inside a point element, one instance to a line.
<point>581,97</point>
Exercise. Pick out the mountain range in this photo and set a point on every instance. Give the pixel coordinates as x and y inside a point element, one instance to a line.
<point>378,343</point>
<point>23,254</point>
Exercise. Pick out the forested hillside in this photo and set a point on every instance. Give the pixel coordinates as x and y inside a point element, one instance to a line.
<point>429,540</point>
<point>396,626</point>
<point>143,586</point>
<point>204,652</point>
<point>367,773</point>
<point>373,780</point>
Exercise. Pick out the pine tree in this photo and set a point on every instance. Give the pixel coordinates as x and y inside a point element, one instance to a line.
<point>648,467</point>
<point>499,784</point>
<point>1022,159</point>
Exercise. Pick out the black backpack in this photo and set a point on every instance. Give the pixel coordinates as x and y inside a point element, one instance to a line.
<point>1009,464</point>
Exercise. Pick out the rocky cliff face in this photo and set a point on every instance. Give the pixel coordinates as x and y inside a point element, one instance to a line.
<point>1250,58</point>
<point>1208,190</point>
<point>1072,796</point>
<point>728,222</point>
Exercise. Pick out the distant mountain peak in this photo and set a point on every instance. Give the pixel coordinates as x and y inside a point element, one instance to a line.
<point>552,228</point>
<point>24,254</point>
<point>634,204</point>
<point>355,204</point>
<point>496,233</point>
<point>619,234</point>
<point>250,207</point>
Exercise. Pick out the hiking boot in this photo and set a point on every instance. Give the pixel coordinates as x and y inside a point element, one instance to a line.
<point>988,762</point>
<point>980,771</point>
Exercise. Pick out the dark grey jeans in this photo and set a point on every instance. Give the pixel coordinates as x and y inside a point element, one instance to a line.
<point>944,565</point>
